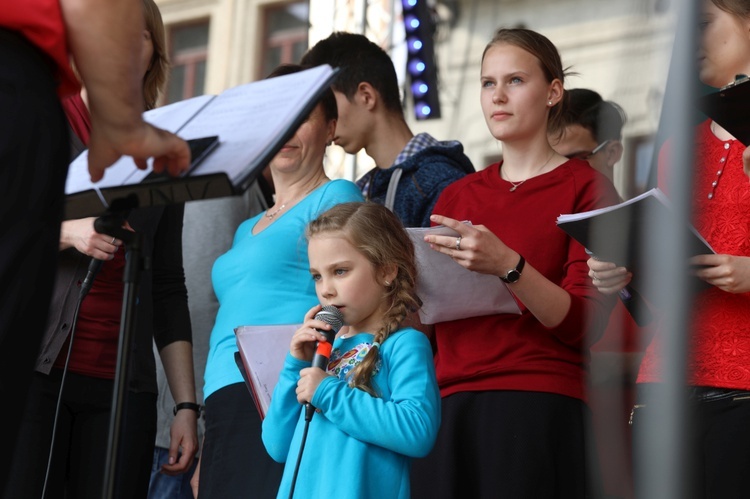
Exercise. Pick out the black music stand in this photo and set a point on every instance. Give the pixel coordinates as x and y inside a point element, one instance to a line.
<point>111,224</point>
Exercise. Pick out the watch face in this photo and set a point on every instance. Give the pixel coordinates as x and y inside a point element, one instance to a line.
<point>513,275</point>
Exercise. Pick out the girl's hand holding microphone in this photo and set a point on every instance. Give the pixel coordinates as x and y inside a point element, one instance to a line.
<point>303,346</point>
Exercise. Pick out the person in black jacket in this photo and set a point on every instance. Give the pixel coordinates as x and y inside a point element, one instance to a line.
<point>37,39</point>
<point>77,363</point>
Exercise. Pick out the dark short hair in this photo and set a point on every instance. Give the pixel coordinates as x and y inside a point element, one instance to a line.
<point>603,118</point>
<point>360,60</point>
<point>327,101</point>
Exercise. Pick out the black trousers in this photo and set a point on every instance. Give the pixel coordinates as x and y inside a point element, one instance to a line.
<point>82,433</point>
<point>34,153</point>
<point>234,461</point>
<point>716,449</point>
<point>509,445</point>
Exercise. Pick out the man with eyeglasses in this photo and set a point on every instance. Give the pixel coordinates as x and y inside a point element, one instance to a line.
<point>592,131</point>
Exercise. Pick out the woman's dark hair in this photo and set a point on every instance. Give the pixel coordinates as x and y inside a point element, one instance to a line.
<point>155,79</point>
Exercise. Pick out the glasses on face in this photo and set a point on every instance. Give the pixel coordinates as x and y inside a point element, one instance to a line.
<point>584,155</point>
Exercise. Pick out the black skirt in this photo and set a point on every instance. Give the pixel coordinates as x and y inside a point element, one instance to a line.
<point>509,444</point>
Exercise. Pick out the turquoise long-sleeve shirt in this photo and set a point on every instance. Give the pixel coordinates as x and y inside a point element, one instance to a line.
<point>265,278</point>
<point>357,443</point>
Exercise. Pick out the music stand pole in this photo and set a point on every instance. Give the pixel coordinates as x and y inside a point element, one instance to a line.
<point>112,224</point>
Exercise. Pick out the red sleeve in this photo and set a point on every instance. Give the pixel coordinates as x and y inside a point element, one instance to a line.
<point>78,117</point>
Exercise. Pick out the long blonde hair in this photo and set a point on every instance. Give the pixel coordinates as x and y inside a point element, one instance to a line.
<point>380,236</point>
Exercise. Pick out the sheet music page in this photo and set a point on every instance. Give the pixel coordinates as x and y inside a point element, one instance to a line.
<point>572,217</point>
<point>174,116</point>
<point>79,179</point>
<point>263,350</point>
<point>252,122</point>
<point>170,117</point>
<point>248,118</point>
<point>449,291</point>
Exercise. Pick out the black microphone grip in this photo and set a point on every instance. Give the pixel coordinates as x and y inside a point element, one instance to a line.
<point>94,266</point>
<point>330,315</point>
<point>322,350</point>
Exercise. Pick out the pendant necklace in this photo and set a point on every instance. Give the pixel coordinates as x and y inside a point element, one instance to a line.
<point>516,185</point>
<point>276,212</point>
<point>271,215</point>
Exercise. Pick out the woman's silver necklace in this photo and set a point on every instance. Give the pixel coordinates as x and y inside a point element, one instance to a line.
<point>272,214</point>
<point>275,212</point>
<point>516,185</point>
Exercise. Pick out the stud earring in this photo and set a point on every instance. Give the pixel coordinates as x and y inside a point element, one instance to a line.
<point>387,283</point>
<point>549,102</point>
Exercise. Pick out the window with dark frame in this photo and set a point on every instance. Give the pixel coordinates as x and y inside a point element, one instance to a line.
<point>285,36</point>
<point>188,52</point>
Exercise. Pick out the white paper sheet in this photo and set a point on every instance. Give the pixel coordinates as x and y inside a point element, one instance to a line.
<point>450,291</point>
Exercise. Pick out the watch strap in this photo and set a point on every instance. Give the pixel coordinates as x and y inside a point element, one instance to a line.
<point>188,405</point>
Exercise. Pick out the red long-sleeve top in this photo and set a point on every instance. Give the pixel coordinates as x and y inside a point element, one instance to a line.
<point>512,352</point>
<point>720,321</point>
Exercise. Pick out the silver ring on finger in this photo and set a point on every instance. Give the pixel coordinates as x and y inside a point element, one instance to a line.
<point>458,243</point>
<point>113,240</point>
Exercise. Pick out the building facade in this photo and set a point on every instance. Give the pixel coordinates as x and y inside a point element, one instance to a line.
<point>619,48</point>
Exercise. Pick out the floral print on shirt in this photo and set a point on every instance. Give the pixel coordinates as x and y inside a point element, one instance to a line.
<point>343,361</point>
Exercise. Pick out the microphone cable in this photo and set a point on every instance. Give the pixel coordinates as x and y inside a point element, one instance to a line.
<point>333,317</point>
<point>88,281</point>
<point>299,456</point>
<point>308,418</point>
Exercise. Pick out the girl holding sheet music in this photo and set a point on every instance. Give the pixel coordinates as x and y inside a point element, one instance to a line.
<point>378,404</point>
<point>513,386</point>
<point>719,366</point>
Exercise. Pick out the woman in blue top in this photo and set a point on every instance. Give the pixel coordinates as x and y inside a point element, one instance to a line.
<point>263,279</point>
<point>378,404</point>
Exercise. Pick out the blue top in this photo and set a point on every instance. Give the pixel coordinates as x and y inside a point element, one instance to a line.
<point>265,278</point>
<point>366,440</point>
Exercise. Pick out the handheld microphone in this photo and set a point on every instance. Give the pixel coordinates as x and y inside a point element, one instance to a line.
<point>332,316</point>
<point>88,281</point>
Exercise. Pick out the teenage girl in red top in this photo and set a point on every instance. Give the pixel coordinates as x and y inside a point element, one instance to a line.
<point>513,386</point>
